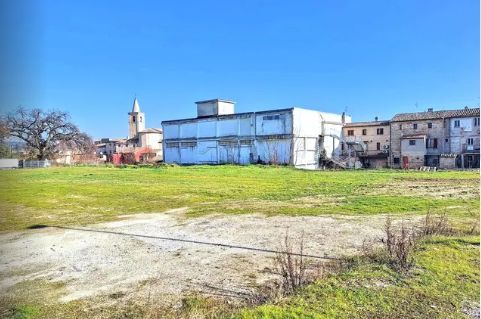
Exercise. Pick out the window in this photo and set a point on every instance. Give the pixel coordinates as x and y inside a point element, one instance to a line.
<point>430,125</point>
<point>415,126</point>
<point>470,141</point>
<point>188,144</point>
<point>350,132</point>
<point>245,142</point>
<point>228,143</point>
<point>412,142</point>
<point>432,143</point>
<point>395,160</point>
<point>141,119</point>
<point>476,121</point>
<point>400,126</point>
<point>364,131</point>
<point>378,146</point>
<point>457,123</point>
<point>133,119</point>
<point>446,140</point>
<point>270,117</point>
<point>380,131</point>
<point>172,145</point>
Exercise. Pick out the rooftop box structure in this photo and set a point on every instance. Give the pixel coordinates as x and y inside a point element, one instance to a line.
<point>214,107</point>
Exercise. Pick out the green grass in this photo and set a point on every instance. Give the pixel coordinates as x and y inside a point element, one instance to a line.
<point>445,278</point>
<point>83,195</point>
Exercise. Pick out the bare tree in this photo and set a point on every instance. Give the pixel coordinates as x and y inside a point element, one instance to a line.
<point>45,132</point>
<point>4,148</point>
<point>3,131</point>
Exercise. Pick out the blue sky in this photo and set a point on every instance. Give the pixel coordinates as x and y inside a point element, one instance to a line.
<point>371,58</point>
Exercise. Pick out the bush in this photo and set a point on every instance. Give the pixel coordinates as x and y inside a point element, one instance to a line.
<point>436,225</point>
<point>290,265</point>
<point>400,245</point>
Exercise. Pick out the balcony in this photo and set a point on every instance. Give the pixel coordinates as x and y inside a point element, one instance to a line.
<point>465,148</point>
<point>367,154</point>
<point>375,153</point>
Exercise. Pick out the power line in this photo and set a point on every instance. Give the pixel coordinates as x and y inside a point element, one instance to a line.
<point>264,250</point>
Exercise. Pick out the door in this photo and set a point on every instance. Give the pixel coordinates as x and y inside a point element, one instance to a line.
<point>405,162</point>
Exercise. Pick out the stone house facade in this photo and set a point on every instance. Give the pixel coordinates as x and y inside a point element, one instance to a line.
<point>374,139</point>
<point>464,139</point>
<point>423,138</point>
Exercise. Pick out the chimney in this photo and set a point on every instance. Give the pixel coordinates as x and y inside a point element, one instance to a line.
<point>430,109</point>
<point>375,119</point>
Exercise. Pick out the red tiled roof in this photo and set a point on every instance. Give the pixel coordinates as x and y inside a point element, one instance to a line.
<point>372,123</point>
<point>466,112</point>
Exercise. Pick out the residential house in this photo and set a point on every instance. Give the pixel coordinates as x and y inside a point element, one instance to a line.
<point>374,140</point>
<point>429,138</point>
<point>463,137</point>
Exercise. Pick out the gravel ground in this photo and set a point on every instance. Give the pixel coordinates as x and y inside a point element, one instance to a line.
<point>110,260</point>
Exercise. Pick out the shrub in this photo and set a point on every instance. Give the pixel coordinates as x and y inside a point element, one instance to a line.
<point>291,265</point>
<point>436,225</point>
<point>400,245</point>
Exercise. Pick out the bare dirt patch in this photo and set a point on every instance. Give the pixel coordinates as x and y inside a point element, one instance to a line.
<point>168,255</point>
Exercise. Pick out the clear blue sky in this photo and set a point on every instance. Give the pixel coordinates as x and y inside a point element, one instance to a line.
<point>375,58</point>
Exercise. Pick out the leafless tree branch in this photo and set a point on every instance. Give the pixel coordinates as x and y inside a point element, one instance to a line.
<point>46,133</point>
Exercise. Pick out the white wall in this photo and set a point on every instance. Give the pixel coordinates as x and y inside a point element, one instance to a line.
<point>333,128</point>
<point>413,150</point>
<point>8,163</point>
<point>276,151</point>
<point>213,135</point>
<point>308,126</point>
<point>466,124</point>
<point>214,108</point>
<point>151,140</point>
<point>289,136</point>
<point>225,108</point>
<point>458,135</point>
<point>274,123</point>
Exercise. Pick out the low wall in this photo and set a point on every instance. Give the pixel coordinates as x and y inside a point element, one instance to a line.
<point>8,163</point>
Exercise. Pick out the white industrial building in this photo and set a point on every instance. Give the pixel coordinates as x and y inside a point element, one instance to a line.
<point>300,137</point>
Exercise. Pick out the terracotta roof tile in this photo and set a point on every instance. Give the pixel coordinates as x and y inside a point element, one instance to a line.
<point>466,112</point>
<point>371,123</point>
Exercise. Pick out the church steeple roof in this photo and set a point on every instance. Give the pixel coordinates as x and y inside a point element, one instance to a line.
<point>136,107</point>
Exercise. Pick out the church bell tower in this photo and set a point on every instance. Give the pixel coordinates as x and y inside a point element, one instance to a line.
<point>136,120</point>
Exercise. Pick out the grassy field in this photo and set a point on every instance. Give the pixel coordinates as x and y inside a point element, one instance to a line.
<point>83,195</point>
<point>443,283</point>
